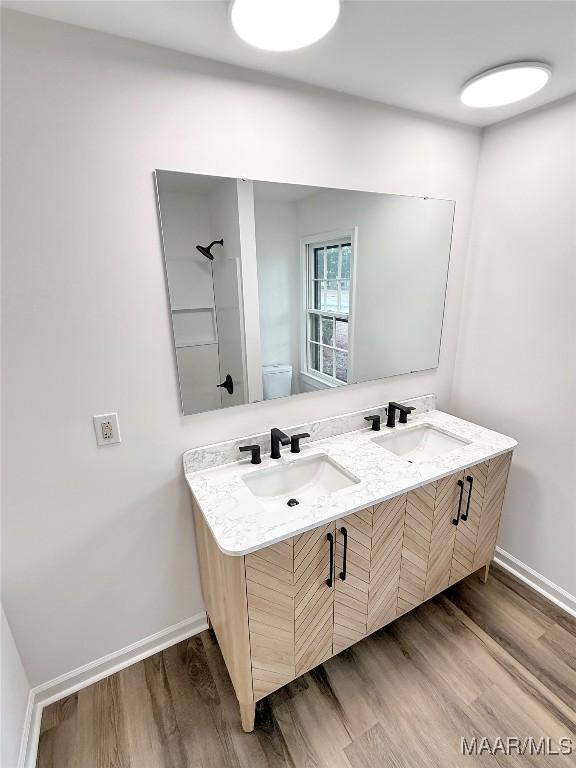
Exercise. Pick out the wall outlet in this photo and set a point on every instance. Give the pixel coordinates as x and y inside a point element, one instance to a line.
<point>107,429</point>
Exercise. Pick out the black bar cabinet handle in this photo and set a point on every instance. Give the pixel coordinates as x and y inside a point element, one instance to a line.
<point>457,518</point>
<point>331,542</point>
<point>469,479</point>
<point>344,532</point>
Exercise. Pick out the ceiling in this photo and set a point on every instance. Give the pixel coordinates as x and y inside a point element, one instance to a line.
<point>414,54</point>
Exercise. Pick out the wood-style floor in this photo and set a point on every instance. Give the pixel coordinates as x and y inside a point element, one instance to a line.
<point>479,660</point>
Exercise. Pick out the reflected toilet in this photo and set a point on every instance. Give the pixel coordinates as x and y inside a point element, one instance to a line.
<point>276,381</point>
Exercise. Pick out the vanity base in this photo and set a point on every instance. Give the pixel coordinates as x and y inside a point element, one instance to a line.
<point>286,608</point>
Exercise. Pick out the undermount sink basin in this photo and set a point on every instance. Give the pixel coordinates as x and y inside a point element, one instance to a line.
<point>299,481</point>
<point>423,442</point>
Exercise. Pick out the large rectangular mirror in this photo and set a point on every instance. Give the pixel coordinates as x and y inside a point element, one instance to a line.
<point>277,289</point>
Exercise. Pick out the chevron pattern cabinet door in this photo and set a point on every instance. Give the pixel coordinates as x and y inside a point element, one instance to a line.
<point>270,593</point>
<point>387,535</point>
<point>443,534</point>
<point>428,543</point>
<point>351,594</point>
<point>313,599</point>
<point>467,530</point>
<point>416,547</point>
<point>496,480</point>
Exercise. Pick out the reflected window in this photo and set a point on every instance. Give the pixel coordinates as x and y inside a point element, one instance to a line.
<point>327,275</point>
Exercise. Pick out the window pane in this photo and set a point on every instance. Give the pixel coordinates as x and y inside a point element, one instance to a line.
<point>318,270</point>
<point>314,327</point>
<point>332,254</point>
<point>346,256</point>
<point>328,361</point>
<point>327,331</point>
<point>331,301</point>
<point>342,366</point>
<point>341,338</point>
<point>344,296</point>
<point>316,297</point>
<point>315,357</point>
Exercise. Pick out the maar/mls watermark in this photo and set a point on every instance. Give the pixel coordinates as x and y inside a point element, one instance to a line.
<point>515,745</point>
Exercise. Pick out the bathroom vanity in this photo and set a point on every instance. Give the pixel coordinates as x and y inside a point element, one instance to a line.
<point>378,522</point>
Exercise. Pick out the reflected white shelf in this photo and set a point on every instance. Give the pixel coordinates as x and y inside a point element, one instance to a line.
<point>192,309</point>
<point>205,343</point>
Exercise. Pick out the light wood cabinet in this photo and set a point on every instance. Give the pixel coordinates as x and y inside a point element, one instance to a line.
<point>286,608</point>
<point>386,555</point>
<point>352,579</point>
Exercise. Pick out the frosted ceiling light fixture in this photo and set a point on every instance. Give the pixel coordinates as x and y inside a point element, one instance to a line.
<point>506,84</point>
<point>283,25</point>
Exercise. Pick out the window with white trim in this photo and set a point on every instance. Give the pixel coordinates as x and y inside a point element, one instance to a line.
<point>327,274</point>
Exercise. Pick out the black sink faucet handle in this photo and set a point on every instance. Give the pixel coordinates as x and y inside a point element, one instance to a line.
<point>404,411</point>
<point>376,421</point>
<point>295,441</point>
<point>254,450</point>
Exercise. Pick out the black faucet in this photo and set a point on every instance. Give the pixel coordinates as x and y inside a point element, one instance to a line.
<point>376,421</point>
<point>404,411</point>
<point>295,441</point>
<point>277,438</point>
<point>254,450</point>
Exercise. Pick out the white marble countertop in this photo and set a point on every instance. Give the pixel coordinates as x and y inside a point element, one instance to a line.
<point>241,524</point>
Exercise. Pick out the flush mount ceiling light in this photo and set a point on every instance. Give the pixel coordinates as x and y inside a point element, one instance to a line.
<point>283,25</point>
<point>506,84</point>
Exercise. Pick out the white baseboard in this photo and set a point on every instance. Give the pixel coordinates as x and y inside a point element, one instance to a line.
<point>79,678</point>
<point>28,729</point>
<point>541,584</point>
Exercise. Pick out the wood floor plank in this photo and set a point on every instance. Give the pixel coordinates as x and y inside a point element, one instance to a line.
<point>101,733</point>
<point>250,753</point>
<point>317,720</point>
<point>59,728</point>
<point>514,636</point>
<point>143,738</point>
<point>533,598</point>
<point>373,748</point>
<point>529,683</point>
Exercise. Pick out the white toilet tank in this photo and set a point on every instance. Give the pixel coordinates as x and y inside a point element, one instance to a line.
<point>276,381</point>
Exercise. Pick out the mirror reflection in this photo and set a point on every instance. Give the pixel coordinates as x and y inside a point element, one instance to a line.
<point>277,289</point>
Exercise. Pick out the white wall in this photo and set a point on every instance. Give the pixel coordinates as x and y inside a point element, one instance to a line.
<point>403,248</point>
<point>98,543</point>
<point>278,284</point>
<point>250,319</point>
<point>14,691</point>
<point>516,364</point>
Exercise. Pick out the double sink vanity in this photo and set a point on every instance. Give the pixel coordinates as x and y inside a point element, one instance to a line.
<point>353,525</point>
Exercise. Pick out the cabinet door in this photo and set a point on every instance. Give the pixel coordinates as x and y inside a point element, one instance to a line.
<point>270,595</point>
<point>467,529</point>
<point>352,578</point>
<point>313,598</point>
<point>496,479</point>
<point>387,535</point>
<point>290,608</point>
<point>477,529</point>
<point>428,543</point>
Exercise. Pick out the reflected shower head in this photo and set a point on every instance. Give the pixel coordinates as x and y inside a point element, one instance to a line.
<point>206,250</point>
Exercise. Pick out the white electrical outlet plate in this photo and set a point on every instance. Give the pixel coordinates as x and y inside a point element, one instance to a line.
<point>107,429</point>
